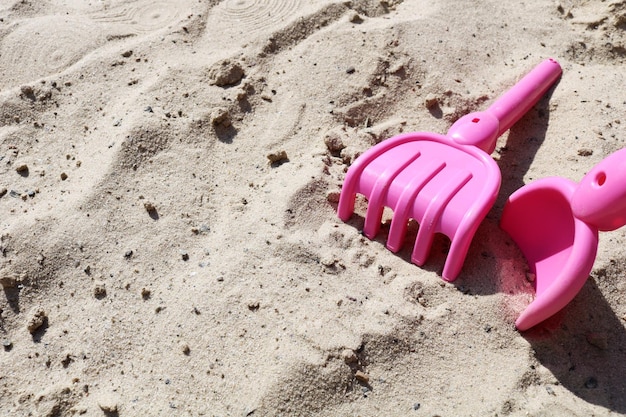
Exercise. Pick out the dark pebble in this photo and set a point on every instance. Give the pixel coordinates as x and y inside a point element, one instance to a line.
<point>591,383</point>
<point>350,70</point>
<point>416,406</point>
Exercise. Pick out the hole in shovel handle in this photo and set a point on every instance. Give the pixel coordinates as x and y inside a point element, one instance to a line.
<point>600,179</point>
<point>475,120</point>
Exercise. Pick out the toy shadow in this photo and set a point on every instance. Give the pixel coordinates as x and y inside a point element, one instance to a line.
<point>585,349</point>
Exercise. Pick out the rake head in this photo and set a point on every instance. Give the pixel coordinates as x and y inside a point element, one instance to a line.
<point>447,188</point>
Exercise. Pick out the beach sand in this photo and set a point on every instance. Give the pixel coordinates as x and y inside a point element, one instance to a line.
<point>169,244</point>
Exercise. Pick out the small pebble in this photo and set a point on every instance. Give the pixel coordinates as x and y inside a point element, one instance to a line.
<point>145,293</point>
<point>550,390</point>
<point>333,197</point>
<point>184,255</point>
<point>27,90</point>
<point>226,73</point>
<point>416,406</point>
<point>127,54</point>
<point>349,356</point>
<point>99,290</point>
<point>7,344</point>
<point>585,152</point>
<point>591,383</point>
<point>530,277</point>
<point>362,377</point>
<point>8,281</point>
<point>598,340</point>
<point>221,117</point>
<point>37,319</point>
<point>278,157</point>
<point>355,18</point>
<point>108,405</point>
<point>3,192</point>
<point>63,176</point>
<point>149,206</point>
<point>184,347</point>
<point>350,70</point>
<point>22,168</point>
<point>333,142</point>
<point>431,101</point>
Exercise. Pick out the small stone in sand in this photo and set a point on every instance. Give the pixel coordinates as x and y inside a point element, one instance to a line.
<point>349,356</point>
<point>431,101</point>
<point>149,206</point>
<point>127,54</point>
<point>3,192</point>
<point>333,142</point>
<point>591,383</point>
<point>99,290</point>
<point>362,377</point>
<point>221,117</point>
<point>278,157</point>
<point>145,293</point>
<point>63,176</point>
<point>355,18</point>
<point>38,318</point>
<point>184,347</point>
<point>333,197</point>
<point>585,152</point>
<point>8,281</point>
<point>27,90</point>
<point>22,168</point>
<point>598,340</point>
<point>108,404</point>
<point>226,73</point>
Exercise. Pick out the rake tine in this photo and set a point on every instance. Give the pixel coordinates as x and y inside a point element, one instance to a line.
<point>404,205</point>
<point>433,213</point>
<point>378,195</point>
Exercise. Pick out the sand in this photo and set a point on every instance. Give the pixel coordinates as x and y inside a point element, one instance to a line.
<point>169,245</point>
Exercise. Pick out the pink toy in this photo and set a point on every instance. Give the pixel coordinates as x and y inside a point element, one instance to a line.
<point>555,222</point>
<point>446,183</point>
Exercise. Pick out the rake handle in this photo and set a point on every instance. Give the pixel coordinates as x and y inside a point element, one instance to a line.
<point>512,105</point>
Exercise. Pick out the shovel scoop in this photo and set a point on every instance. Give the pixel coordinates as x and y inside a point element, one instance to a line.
<point>447,183</point>
<point>555,223</point>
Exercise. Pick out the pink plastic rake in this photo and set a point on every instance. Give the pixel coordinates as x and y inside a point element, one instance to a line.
<point>447,183</point>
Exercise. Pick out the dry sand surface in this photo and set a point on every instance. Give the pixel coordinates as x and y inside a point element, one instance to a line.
<point>169,245</point>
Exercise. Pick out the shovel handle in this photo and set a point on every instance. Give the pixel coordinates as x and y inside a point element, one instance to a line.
<point>513,104</point>
<point>600,199</point>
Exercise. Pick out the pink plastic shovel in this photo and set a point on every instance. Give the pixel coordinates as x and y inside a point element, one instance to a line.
<point>447,183</point>
<point>555,222</point>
